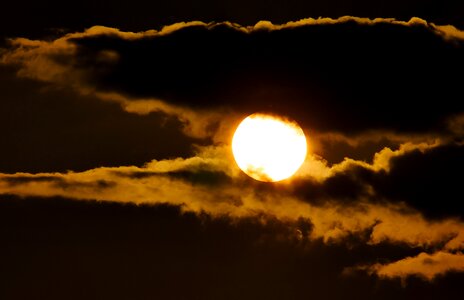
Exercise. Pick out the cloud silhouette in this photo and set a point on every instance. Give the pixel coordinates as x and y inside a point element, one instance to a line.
<point>313,69</point>
<point>342,200</point>
<point>377,97</point>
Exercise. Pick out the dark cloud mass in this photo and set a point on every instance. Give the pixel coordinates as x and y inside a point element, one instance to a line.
<point>117,178</point>
<point>53,129</point>
<point>427,180</point>
<point>209,258</point>
<point>346,76</point>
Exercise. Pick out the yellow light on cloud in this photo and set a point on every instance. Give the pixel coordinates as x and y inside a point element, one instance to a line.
<point>268,148</point>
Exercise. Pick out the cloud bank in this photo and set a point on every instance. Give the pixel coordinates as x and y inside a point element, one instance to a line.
<point>377,96</point>
<point>200,72</point>
<point>211,183</point>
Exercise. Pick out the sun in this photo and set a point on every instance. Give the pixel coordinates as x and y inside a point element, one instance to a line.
<point>269,148</point>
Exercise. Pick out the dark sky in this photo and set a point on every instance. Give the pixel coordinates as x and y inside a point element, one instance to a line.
<point>117,179</point>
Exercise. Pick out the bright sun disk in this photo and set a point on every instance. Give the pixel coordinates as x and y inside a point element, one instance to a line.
<point>268,148</point>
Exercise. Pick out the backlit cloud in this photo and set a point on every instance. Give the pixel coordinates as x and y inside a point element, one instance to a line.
<point>376,97</point>
<point>211,183</point>
<point>424,265</point>
<point>210,76</point>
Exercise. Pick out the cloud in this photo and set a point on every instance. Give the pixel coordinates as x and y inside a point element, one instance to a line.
<point>198,124</point>
<point>312,69</point>
<point>424,265</point>
<point>48,129</point>
<point>210,75</point>
<point>421,175</point>
<point>210,182</point>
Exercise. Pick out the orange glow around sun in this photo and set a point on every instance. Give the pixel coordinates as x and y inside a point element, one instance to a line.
<point>268,148</point>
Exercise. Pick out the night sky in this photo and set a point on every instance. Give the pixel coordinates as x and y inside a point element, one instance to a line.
<point>117,179</point>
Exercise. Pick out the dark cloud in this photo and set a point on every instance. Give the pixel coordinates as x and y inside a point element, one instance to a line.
<point>358,219</point>
<point>342,187</point>
<point>427,180</point>
<point>335,151</point>
<point>346,75</point>
<point>50,129</point>
<point>319,74</point>
<point>203,177</point>
<point>19,180</point>
<point>96,185</point>
<point>342,200</point>
<point>74,249</point>
<point>58,182</point>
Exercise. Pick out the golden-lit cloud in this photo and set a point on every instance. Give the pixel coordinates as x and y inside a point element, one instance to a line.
<point>57,62</point>
<point>318,169</point>
<point>425,265</point>
<point>211,183</point>
<point>35,56</point>
<point>196,123</point>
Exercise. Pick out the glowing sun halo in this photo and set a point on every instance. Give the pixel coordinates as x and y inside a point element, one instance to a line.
<point>268,148</point>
